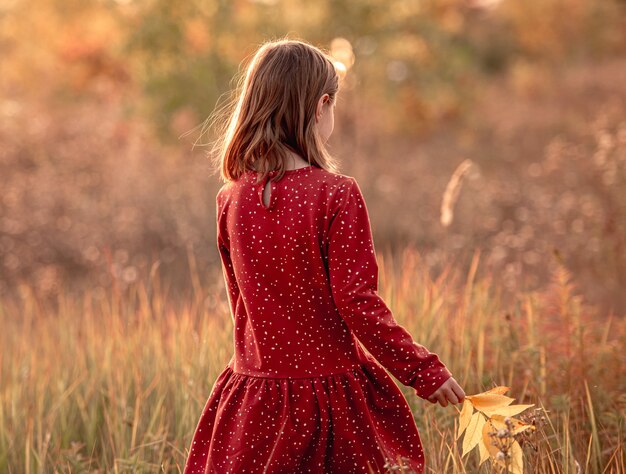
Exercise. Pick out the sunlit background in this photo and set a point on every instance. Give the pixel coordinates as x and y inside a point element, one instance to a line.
<point>488,136</point>
<point>103,172</point>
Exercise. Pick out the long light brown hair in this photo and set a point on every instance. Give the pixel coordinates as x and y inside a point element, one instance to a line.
<point>272,110</point>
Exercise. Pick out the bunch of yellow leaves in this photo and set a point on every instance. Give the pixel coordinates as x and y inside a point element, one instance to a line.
<point>493,429</point>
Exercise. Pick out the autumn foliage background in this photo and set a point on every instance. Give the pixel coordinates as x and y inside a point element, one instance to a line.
<point>112,307</point>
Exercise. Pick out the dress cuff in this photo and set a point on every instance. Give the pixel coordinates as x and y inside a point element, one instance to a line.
<point>428,381</point>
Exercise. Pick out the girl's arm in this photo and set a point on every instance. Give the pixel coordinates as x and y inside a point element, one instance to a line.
<point>223,246</point>
<point>353,272</point>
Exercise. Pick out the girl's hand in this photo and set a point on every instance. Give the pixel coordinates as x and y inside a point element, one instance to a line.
<point>450,391</point>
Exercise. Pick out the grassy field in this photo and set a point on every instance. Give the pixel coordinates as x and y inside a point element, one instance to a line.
<point>114,381</point>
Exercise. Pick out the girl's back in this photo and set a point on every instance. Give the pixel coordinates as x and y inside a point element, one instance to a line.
<point>286,322</point>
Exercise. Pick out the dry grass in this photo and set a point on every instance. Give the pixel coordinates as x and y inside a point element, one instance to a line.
<point>452,191</point>
<point>114,381</point>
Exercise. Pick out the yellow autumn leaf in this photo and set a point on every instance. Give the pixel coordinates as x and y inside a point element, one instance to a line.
<point>499,390</point>
<point>491,425</point>
<point>518,425</point>
<point>476,427</point>
<point>464,417</point>
<point>473,432</point>
<point>484,453</point>
<point>507,410</point>
<point>489,401</point>
<point>517,459</point>
<point>516,463</point>
<point>523,427</point>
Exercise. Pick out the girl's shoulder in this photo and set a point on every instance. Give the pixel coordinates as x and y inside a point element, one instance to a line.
<point>333,184</point>
<point>336,180</point>
<point>341,191</point>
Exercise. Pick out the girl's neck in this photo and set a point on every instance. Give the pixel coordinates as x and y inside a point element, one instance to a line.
<point>294,161</point>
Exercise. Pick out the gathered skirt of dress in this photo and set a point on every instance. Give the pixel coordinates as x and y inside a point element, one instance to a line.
<point>351,422</point>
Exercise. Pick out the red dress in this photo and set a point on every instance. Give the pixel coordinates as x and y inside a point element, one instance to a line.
<point>300,394</point>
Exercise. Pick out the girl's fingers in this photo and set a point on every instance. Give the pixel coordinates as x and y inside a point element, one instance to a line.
<point>450,396</point>
<point>434,398</point>
<point>452,393</point>
<point>443,401</point>
<point>459,393</point>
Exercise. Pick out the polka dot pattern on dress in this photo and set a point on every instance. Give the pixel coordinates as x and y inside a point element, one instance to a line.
<point>306,390</point>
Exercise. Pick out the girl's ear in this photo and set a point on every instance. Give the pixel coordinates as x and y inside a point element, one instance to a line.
<point>320,103</point>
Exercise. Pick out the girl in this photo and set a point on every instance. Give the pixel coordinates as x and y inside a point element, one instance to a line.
<point>301,394</point>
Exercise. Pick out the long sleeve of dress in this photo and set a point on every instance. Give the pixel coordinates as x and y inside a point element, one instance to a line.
<point>353,272</point>
<point>223,246</point>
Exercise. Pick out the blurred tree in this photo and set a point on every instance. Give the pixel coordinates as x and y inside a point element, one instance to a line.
<point>417,62</point>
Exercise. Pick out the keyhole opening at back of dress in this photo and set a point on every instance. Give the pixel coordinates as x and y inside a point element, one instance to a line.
<point>267,193</point>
